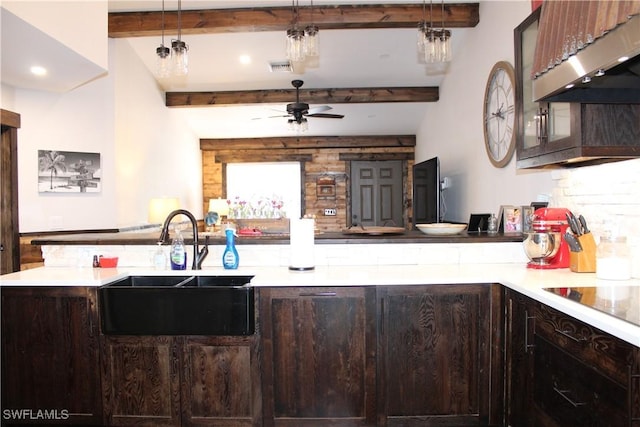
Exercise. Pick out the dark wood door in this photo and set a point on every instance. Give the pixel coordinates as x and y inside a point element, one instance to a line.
<point>440,359</point>
<point>141,377</point>
<point>519,347</point>
<point>319,356</point>
<point>50,355</point>
<point>9,230</point>
<point>376,193</point>
<point>221,382</point>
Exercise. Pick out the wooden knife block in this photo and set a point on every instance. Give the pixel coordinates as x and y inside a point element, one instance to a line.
<point>585,260</point>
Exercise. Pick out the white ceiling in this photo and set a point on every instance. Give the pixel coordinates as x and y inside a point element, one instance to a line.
<point>348,58</point>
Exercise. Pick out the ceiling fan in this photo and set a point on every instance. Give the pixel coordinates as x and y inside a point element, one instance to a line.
<point>299,111</point>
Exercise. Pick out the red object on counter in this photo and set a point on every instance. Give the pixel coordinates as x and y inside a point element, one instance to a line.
<point>108,262</point>
<point>552,220</point>
<point>249,232</point>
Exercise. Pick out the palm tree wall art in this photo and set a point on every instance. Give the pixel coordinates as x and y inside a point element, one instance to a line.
<point>68,172</point>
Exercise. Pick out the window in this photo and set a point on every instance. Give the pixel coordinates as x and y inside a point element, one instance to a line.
<point>256,185</point>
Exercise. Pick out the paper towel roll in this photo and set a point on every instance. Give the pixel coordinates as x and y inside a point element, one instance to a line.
<point>301,237</point>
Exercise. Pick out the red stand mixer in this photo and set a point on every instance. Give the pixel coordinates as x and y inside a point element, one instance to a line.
<point>545,245</point>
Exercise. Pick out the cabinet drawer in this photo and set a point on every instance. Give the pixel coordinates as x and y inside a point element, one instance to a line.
<point>573,394</point>
<point>592,346</point>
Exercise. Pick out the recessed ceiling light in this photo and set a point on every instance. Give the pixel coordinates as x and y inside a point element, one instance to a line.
<point>38,70</point>
<point>245,59</point>
<point>623,58</point>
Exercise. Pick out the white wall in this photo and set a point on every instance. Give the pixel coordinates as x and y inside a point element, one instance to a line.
<point>157,155</point>
<point>60,21</point>
<point>607,195</point>
<point>452,128</point>
<point>145,150</point>
<point>81,120</point>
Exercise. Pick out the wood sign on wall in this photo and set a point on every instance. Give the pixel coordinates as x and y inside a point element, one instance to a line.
<point>326,188</point>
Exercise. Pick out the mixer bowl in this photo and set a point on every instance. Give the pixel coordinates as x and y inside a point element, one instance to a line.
<point>541,247</point>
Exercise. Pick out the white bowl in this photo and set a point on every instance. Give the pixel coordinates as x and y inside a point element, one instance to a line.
<point>441,228</point>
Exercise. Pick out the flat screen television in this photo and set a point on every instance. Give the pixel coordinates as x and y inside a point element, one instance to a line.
<point>426,192</point>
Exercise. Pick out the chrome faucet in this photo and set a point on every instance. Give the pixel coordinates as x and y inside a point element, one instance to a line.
<point>198,254</point>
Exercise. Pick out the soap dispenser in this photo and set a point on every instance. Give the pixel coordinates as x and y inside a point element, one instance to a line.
<point>230,256</point>
<point>178,254</point>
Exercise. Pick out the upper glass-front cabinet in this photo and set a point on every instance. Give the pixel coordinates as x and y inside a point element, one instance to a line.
<point>540,127</point>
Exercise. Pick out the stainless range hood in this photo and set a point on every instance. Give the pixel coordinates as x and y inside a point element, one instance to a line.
<point>594,74</point>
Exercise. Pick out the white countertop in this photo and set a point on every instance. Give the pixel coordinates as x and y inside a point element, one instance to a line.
<point>513,275</point>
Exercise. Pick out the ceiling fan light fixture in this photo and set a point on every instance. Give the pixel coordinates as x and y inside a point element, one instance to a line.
<point>298,126</point>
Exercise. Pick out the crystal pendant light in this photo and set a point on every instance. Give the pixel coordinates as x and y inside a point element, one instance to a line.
<point>295,44</point>
<point>434,45</point>
<point>301,43</point>
<point>163,67</point>
<point>445,40</point>
<point>179,49</point>
<point>311,38</point>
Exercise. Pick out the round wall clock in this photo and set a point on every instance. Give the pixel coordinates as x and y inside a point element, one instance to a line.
<point>499,114</point>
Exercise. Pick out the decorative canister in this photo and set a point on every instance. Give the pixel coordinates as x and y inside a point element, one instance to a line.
<point>613,258</point>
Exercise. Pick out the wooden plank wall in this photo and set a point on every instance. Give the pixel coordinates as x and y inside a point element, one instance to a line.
<point>326,161</point>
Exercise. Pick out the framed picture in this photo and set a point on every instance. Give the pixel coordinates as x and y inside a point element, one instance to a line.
<point>511,219</point>
<point>527,219</point>
<point>68,172</point>
<point>478,223</point>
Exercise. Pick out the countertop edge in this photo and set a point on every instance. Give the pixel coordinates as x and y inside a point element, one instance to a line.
<point>514,276</point>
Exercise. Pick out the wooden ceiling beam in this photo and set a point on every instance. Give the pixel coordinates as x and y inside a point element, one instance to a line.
<point>297,142</point>
<point>139,24</point>
<point>310,96</point>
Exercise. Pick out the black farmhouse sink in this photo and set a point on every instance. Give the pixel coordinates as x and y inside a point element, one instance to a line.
<point>178,305</point>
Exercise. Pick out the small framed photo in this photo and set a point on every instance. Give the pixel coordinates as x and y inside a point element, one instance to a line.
<point>512,219</point>
<point>527,219</point>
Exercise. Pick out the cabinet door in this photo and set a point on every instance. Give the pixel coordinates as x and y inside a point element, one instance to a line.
<point>319,356</point>
<point>520,322</point>
<point>221,382</point>
<point>439,355</point>
<point>50,355</point>
<point>141,380</point>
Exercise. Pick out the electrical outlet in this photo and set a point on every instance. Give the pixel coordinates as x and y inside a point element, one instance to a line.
<point>330,212</point>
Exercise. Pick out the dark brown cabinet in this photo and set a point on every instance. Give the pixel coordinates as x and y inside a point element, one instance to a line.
<point>319,356</point>
<point>576,375</point>
<point>50,355</point>
<point>141,380</point>
<point>221,382</point>
<point>439,355</point>
<point>561,133</point>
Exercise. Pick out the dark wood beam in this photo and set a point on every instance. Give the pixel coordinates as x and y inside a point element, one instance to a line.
<point>310,96</point>
<point>293,142</point>
<point>138,24</point>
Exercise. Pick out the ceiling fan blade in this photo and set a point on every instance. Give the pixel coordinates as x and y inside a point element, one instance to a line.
<point>319,109</point>
<point>270,117</point>
<point>326,116</point>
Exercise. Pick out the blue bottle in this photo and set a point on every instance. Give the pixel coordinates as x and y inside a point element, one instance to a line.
<point>230,256</point>
<point>178,255</point>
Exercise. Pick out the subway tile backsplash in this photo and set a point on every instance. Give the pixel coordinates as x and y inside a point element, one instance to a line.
<point>608,196</point>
